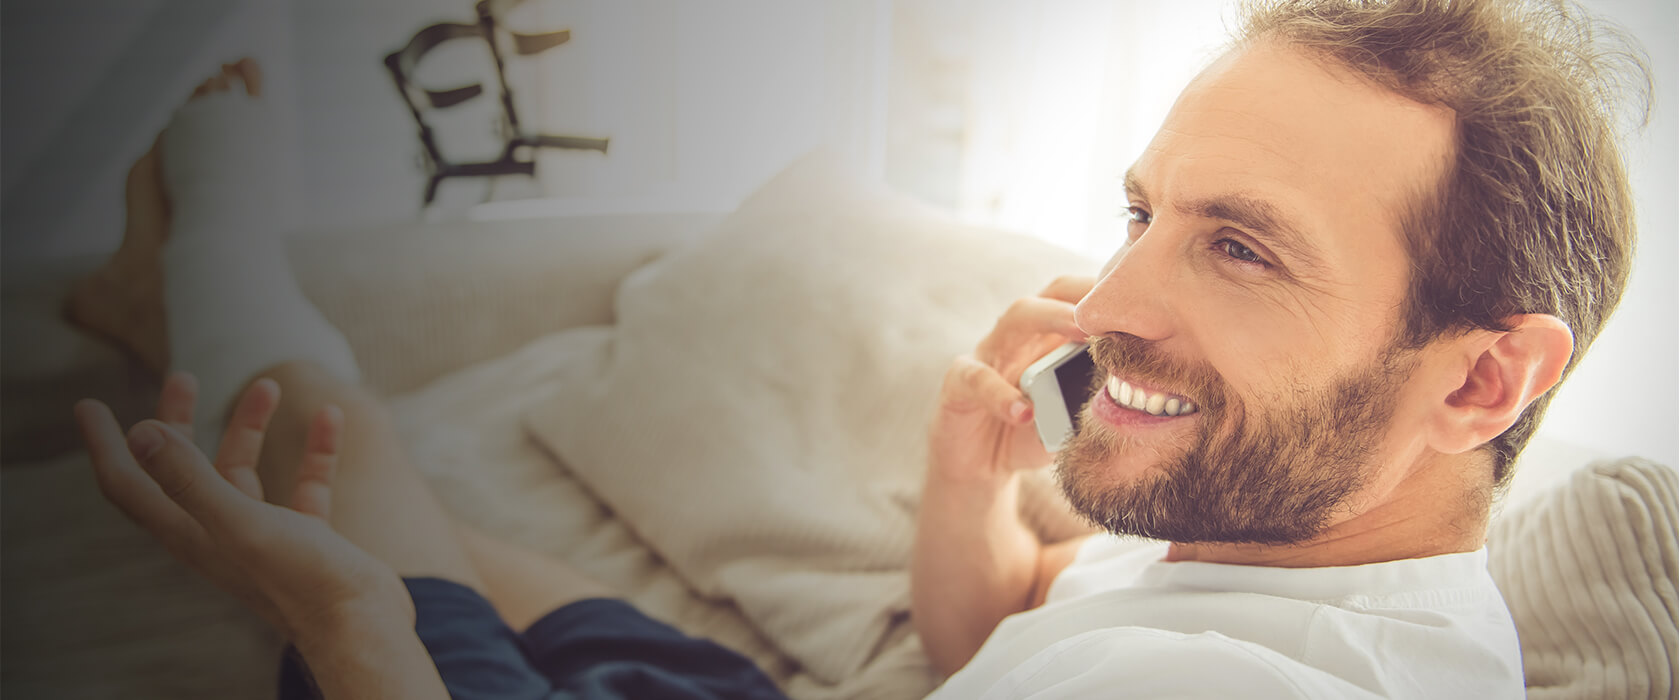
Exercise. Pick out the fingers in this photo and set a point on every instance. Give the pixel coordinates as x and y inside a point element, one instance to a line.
<point>313,493</point>
<point>1069,288</point>
<point>183,474</point>
<point>972,383</point>
<point>175,403</point>
<point>243,440</point>
<point>129,488</point>
<point>1029,319</point>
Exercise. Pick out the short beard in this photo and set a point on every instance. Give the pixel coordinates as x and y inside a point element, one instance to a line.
<point>1272,478</point>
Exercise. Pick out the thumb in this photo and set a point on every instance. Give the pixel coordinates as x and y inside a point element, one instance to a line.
<point>184,475</point>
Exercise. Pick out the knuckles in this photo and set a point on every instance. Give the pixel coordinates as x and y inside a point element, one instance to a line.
<point>964,379</point>
<point>1060,282</point>
<point>1070,288</point>
<point>964,369</point>
<point>969,371</point>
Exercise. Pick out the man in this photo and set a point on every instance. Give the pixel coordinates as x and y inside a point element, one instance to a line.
<point>1365,245</point>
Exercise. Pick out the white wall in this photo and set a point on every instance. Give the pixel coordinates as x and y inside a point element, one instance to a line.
<point>702,102</point>
<point>83,90</point>
<point>705,101</point>
<point>1622,399</point>
<point>93,81</point>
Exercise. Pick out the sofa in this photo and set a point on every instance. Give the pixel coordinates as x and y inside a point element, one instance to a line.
<point>718,415</point>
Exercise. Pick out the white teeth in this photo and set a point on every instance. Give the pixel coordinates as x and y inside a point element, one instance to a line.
<point>1124,394</point>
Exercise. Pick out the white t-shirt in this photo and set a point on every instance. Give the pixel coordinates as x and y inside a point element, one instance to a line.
<point>1119,622</point>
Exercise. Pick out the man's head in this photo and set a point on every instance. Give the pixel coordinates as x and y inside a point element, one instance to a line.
<point>1365,245</point>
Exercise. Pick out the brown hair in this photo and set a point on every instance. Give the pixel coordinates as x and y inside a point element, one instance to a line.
<point>1534,214</point>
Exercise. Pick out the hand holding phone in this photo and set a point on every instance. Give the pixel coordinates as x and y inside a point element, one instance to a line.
<point>984,428</point>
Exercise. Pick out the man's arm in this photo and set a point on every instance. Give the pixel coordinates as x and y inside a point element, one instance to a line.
<point>975,563</point>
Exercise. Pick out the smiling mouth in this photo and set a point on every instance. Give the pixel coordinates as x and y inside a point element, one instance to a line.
<point>1155,403</point>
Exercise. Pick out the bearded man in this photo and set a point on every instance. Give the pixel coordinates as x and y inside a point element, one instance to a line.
<point>1364,246</point>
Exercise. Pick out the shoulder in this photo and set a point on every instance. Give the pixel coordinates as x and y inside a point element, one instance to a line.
<point>1146,662</point>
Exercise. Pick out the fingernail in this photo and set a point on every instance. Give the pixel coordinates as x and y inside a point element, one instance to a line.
<point>144,441</point>
<point>1019,410</point>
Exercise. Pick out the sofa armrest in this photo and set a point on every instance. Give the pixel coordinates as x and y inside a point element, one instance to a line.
<point>417,303</point>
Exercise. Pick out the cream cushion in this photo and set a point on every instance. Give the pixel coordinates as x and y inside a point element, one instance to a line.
<point>757,414</point>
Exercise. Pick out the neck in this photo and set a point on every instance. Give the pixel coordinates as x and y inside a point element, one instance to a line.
<point>1430,512</point>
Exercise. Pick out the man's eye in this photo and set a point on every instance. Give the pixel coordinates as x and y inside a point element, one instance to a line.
<point>1137,221</point>
<point>1239,251</point>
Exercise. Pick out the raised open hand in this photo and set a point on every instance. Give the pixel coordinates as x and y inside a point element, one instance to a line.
<point>287,564</point>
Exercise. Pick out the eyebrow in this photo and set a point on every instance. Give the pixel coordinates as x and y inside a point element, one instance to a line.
<point>1259,216</point>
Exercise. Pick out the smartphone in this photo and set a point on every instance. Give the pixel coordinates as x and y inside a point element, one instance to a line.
<point>1059,386</point>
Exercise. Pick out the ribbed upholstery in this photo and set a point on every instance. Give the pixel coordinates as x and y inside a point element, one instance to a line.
<point>1588,570</point>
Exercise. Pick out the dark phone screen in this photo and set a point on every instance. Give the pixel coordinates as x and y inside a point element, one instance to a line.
<point>1074,377</point>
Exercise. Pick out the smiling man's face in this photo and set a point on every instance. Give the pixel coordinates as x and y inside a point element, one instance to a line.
<point>1252,390</point>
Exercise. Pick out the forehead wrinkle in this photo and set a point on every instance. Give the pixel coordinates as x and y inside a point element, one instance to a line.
<point>1194,111</point>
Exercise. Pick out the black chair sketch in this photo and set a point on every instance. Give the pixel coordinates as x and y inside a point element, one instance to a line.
<point>403,62</point>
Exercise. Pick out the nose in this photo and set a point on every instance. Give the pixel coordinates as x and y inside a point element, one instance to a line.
<point>1135,294</point>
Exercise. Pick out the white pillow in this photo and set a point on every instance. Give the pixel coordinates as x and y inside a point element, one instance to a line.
<point>758,414</point>
<point>1588,570</point>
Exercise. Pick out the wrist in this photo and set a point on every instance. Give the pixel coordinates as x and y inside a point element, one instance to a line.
<point>371,653</point>
<point>357,624</point>
<point>970,481</point>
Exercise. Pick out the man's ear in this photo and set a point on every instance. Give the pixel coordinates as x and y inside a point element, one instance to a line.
<point>1505,372</point>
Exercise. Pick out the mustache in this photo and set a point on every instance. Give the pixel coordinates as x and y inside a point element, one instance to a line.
<point>1131,357</point>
